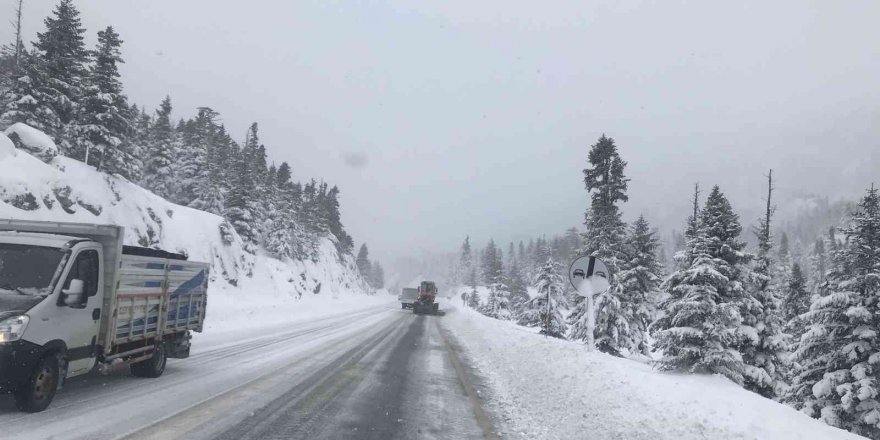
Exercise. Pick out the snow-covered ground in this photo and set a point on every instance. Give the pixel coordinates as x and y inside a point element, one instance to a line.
<point>545,388</point>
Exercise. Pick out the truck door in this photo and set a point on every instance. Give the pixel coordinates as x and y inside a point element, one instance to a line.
<point>80,321</point>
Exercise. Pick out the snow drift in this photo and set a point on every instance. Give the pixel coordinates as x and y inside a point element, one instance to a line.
<point>546,388</point>
<point>57,188</point>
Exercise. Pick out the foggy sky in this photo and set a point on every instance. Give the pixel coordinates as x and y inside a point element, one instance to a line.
<point>451,118</point>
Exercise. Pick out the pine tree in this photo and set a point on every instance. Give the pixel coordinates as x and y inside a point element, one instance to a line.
<point>498,299</point>
<point>286,236</point>
<point>492,266</point>
<point>544,310</point>
<point>378,276</point>
<point>363,262</point>
<point>28,99</point>
<point>62,50</point>
<point>762,338</point>
<point>684,258</point>
<point>698,331</point>
<point>473,298</point>
<point>104,125</point>
<point>239,210</point>
<point>838,355</point>
<point>498,302</point>
<point>465,262</point>
<point>158,167</point>
<point>199,171</point>
<point>796,302</point>
<point>604,238</point>
<point>818,267</point>
<point>640,278</point>
<point>240,203</point>
<point>519,294</point>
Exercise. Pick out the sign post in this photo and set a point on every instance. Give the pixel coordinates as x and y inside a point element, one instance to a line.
<point>590,277</point>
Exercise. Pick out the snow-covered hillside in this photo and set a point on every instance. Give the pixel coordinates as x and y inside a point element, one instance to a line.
<point>63,189</point>
<point>546,388</point>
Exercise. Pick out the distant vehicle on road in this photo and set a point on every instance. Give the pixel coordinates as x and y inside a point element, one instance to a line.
<point>407,297</point>
<point>72,297</point>
<point>427,299</point>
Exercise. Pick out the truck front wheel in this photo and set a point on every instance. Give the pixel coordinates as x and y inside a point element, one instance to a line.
<point>152,367</point>
<point>37,393</point>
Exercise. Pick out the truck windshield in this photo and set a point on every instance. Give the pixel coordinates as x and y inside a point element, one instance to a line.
<point>28,270</point>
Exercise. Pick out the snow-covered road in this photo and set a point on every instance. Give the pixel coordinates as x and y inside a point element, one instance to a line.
<point>378,372</point>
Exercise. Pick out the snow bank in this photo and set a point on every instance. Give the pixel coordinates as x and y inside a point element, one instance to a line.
<point>241,284</point>
<point>33,141</point>
<point>546,388</point>
<point>7,148</point>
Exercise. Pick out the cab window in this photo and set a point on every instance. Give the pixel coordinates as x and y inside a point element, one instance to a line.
<point>85,268</point>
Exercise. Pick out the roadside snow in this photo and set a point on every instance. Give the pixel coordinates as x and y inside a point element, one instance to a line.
<point>552,389</point>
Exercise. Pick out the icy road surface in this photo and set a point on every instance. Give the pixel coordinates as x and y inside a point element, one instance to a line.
<point>378,373</point>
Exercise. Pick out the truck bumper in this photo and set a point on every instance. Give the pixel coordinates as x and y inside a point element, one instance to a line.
<point>17,359</point>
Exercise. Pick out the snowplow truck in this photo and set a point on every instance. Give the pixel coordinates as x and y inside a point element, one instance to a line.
<point>427,299</point>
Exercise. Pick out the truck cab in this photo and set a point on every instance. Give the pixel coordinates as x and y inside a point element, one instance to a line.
<point>47,282</point>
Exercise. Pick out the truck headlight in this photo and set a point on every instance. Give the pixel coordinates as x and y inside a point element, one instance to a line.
<point>12,328</point>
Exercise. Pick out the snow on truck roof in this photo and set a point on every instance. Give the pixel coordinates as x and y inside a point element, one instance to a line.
<point>60,241</point>
<point>37,238</point>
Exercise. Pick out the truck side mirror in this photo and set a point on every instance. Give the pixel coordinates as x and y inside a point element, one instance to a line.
<point>73,294</point>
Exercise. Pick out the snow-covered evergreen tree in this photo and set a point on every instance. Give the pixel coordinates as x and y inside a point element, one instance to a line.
<point>159,161</point>
<point>762,336</point>
<point>699,328</point>
<point>544,310</point>
<point>498,302</point>
<point>517,286</point>
<point>492,265</point>
<point>640,277</point>
<point>473,297</point>
<point>103,126</point>
<point>378,276</point>
<point>28,99</point>
<point>465,263</point>
<point>839,354</point>
<point>239,202</point>
<point>498,299</point>
<point>818,268</point>
<point>62,49</point>
<point>697,332</point>
<point>363,262</point>
<point>199,172</point>
<point>604,238</point>
<point>243,194</point>
<point>796,302</point>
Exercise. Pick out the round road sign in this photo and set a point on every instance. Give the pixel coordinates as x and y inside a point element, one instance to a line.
<point>589,275</point>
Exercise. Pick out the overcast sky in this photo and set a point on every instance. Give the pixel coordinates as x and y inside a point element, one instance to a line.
<point>441,119</point>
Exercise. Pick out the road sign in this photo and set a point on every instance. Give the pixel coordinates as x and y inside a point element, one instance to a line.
<point>589,275</point>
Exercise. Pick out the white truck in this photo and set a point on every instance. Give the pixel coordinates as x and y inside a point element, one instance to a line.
<point>407,297</point>
<point>73,298</point>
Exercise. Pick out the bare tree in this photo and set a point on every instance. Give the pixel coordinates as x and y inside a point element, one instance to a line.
<point>18,44</point>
